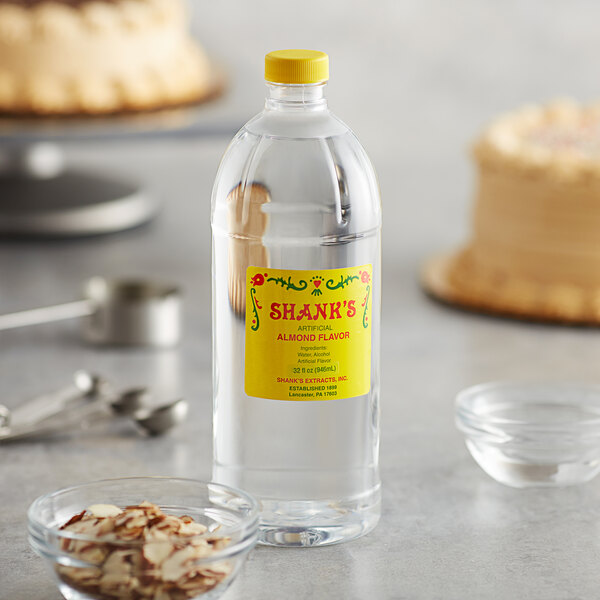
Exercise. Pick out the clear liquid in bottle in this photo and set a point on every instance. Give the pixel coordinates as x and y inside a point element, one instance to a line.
<point>296,226</point>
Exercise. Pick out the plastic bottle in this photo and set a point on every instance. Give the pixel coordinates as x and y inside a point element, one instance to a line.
<point>296,225</point>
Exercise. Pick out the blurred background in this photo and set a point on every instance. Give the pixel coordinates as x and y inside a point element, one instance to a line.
<point>415,79</point>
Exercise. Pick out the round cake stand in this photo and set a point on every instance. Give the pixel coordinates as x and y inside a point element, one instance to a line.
<point>39,196</point>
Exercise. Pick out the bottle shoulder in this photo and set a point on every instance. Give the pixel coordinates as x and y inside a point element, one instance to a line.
<point>298,124</point>
<point>313,171</point>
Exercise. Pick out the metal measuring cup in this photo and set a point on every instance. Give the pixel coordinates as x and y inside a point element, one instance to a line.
<point>127,312</point>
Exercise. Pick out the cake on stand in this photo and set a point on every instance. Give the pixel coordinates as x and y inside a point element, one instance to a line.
<point>90,69</point>
<point>41,196</point>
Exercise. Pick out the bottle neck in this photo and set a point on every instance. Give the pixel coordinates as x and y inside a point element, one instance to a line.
<point>286,97</point>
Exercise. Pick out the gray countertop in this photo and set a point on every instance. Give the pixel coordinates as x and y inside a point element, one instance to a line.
<point>448,532</point>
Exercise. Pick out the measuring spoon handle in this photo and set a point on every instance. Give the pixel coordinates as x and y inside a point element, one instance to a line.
<point>37,409</point>
<point>48,314</point>
<point>81,417</point>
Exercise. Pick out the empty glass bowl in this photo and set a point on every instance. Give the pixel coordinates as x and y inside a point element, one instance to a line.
<point>533,434</point>
<point>171,567</point>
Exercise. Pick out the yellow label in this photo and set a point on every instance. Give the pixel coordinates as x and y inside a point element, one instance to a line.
<point>308,333</point>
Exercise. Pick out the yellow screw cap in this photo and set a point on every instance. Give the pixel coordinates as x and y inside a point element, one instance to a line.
<point>296,66</point>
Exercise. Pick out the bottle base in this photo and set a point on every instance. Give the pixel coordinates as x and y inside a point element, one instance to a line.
<point>313,523</point>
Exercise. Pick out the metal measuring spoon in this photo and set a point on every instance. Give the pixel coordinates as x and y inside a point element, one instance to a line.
<point>84,385</point>
<point>132,312</point>
<point>131,403</point>
<point>4,417</point>
<point>78,416</point>
<point>162,418</point>
<point>134,403</point>
<point>104,406</point>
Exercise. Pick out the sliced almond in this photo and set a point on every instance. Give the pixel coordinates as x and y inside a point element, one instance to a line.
<point>169,524</point>
<point>81,526</point>
<point>129,535</point>
<point>117,563</point>
<point>74,519</point>
<point>155,535</point>
<point>117,585</point>
<point>161,594</point>
<point>220,568</point>
<point>175,566</point>
<point>80,573</point>
<point>219,543</point>
<point>163,564</point>
<point>157,552</point>
<point>102,511</point>
<point>192,528</point>
<point>93,554</point>
<point>131,518</point>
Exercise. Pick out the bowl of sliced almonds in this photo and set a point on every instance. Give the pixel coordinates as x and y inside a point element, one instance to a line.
<point>155,538</point>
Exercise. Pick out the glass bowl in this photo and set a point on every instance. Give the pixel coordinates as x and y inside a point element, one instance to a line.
<point>532,434</point>
<point>103,568</point>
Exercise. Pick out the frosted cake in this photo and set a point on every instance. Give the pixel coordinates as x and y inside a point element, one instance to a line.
<point>535,248</point>
<point>64,57</point>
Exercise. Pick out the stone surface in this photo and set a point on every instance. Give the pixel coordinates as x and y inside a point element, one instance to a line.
<point>431,73</point>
